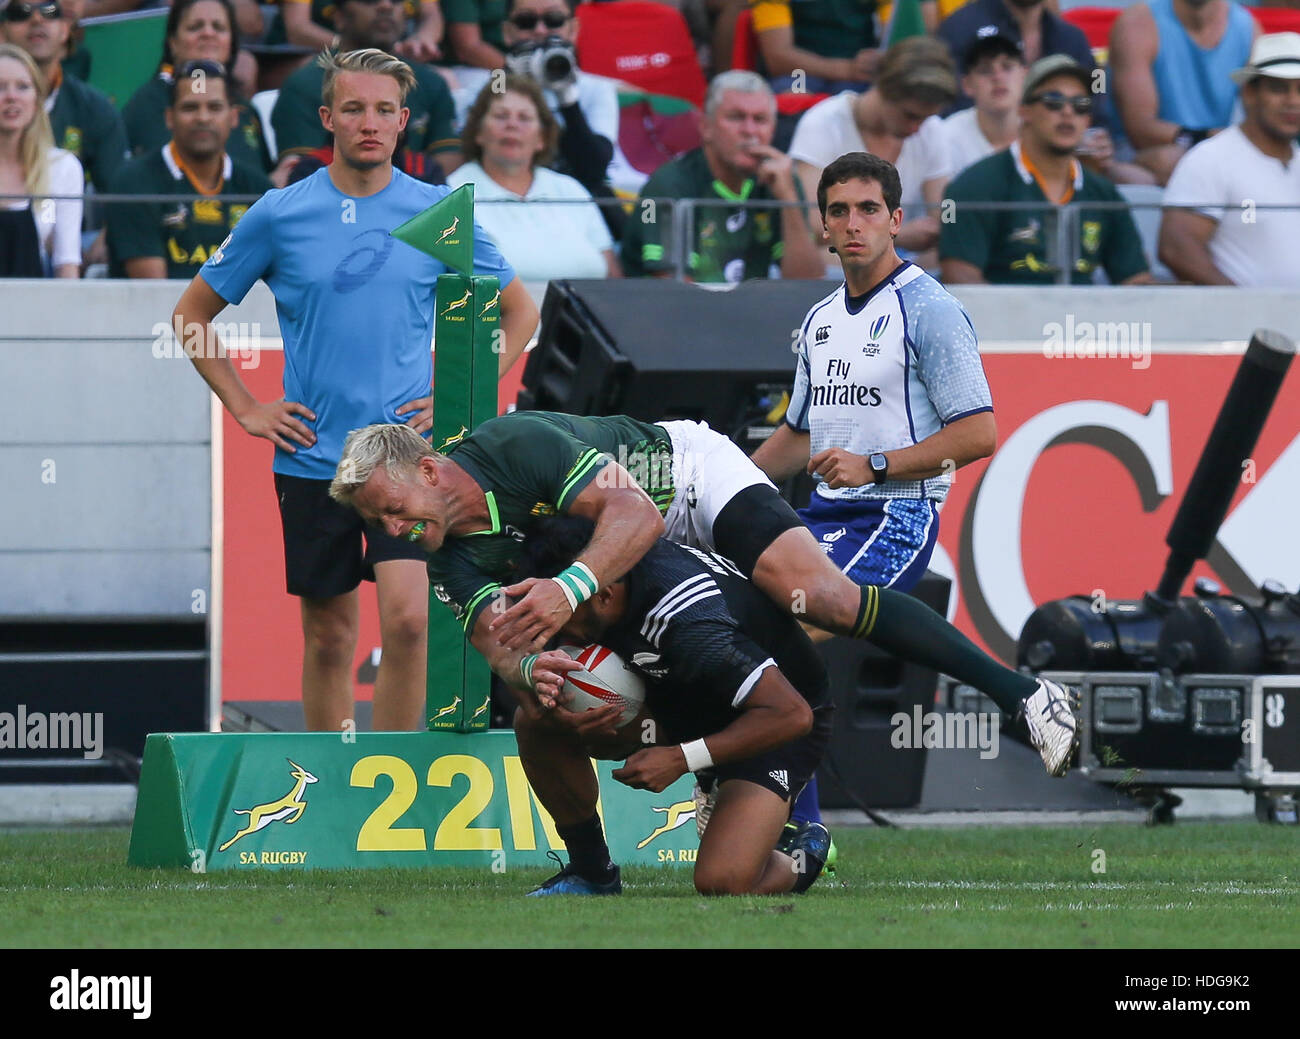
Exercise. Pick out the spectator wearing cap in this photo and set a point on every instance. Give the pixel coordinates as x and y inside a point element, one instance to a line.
<point>1172,64</point>
<point>175,239</point>
<point>1226,235</point>
<point>430,149</point>
<point>82,118</point>
<point>1021,246</point>
<point>1031,23</point>
<point>896,119</point>
<point>994,80</point>
<point>197,30</point>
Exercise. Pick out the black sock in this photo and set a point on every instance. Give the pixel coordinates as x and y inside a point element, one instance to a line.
<point>909,629</point>
<point>588,852</point>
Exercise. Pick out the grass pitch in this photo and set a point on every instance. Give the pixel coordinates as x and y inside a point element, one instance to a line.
<point>1191,885</point>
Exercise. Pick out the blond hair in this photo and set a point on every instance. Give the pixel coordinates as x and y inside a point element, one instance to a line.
<point>397,449</point>
<point>919,68</point>
<point>37,138</point>
<point>370,59</point>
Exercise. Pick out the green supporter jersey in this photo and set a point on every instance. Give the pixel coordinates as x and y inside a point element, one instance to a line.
<point>296,116</point>
<point>322,13</point>
<point>146,125</point>
<point>730,244</point>
<point>834,28</point>
<point>85,123</point>
<point>533,464</point>
<point>1019,247</point>
<point>184,232</point>
<point>487,14</point>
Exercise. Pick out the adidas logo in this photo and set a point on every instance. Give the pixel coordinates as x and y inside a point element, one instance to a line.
<point>780,775</point>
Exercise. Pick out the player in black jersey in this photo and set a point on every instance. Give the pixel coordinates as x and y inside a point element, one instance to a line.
<point>735,692</point>
<point>474,503</point>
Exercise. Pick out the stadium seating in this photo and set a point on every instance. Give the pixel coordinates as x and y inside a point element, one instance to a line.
<point>263,102</point>
<point>744,45</point>
<point>1144,203</point>
<point>642,43</point>
<point>1277,19</point>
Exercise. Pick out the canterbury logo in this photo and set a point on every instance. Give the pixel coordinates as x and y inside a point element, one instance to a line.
<point>458,304</point>
<point>496,298</point>
<point>288,809</point>
<point>446,234</point>
<point>447,710</point>
<point>679,814</point>
<point>835,535</point>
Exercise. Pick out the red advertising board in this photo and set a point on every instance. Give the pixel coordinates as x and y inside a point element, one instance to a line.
<point>1093,458</point>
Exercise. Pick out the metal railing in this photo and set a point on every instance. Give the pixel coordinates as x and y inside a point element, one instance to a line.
<point>1061,225</point>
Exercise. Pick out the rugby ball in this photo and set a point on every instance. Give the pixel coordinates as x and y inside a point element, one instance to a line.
<point>603,679</point>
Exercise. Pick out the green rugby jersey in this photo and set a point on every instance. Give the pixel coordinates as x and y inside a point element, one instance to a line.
<point>1019,247</point>
<point>184,232</point>
<point>145,116</point>
<point>533,464</point>
<point>85,123</point>
<point>731,243</point>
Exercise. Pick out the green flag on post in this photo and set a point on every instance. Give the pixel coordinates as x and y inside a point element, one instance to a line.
<point>445,230</point>
<point>904,20</point>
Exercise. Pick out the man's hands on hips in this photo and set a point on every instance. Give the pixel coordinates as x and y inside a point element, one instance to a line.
<point>276,423</point>
<point>840,468</point>
<point>419,414</point>
<point>654,769</point>
<point>541,612</point>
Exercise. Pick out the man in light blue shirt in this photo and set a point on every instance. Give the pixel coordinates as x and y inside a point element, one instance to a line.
<point>355,309</point>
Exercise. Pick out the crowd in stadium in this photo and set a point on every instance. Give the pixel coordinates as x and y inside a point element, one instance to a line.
<point>586,123</point>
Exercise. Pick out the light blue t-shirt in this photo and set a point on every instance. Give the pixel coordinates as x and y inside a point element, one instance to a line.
<point>355,305</point>
<point>1195,85</point>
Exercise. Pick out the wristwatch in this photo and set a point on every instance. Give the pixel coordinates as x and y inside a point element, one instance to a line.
<point>879,467</point>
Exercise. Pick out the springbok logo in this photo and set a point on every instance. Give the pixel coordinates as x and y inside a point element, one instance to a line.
<point>677,815</point>
<point>447,710</point>
<point>455,438</point>
<point>448,232</point>
<point>457,304</point>
<point>496,298</point>
<point>287,809</point>
<point>482,707</point>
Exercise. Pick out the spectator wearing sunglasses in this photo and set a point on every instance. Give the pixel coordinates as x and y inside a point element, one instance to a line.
<point>429,148</point>
<point>83,119</point>
<point>542,37</point>
<point>1042,166</point>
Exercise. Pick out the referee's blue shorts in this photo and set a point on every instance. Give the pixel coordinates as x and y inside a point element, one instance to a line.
<point>886,542</point>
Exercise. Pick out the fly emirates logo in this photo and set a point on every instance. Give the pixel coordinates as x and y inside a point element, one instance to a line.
<point>840,390</point>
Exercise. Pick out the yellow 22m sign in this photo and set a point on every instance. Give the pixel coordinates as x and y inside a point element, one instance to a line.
<point>455,832</point>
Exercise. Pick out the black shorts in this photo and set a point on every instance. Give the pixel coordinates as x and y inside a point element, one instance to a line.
<point>750,522</point>
<point>785,770</point>
<point>324,555</point>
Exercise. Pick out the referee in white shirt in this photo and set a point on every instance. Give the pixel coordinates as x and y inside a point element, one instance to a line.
<point>890,396</point>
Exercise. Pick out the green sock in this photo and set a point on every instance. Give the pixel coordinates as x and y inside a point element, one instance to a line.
<point>909,629</point>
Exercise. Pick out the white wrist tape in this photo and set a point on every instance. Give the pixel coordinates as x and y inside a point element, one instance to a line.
<point>697,755</point>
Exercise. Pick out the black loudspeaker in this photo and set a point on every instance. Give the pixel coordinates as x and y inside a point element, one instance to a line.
<point>869,687</point>
<point>658,349</point>
<point>78,697</point>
